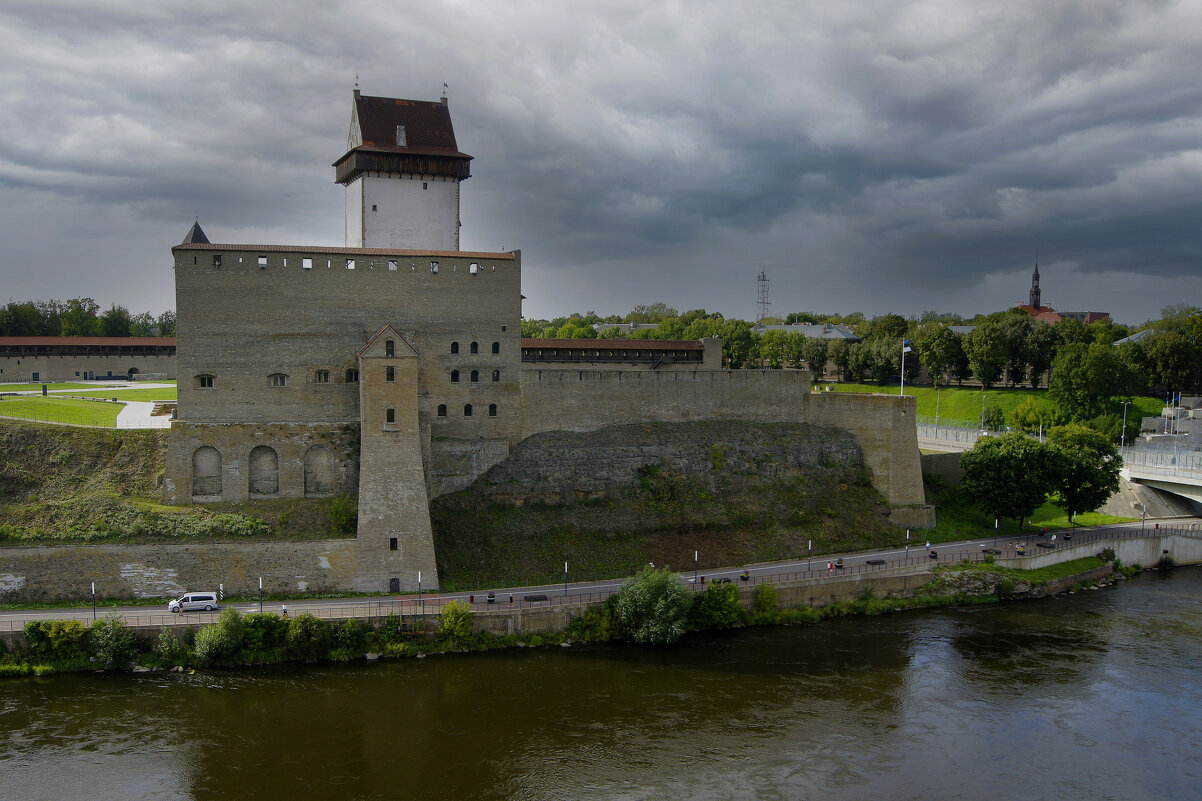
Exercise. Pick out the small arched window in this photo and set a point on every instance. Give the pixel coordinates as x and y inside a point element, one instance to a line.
<point>389,348</point>
<point>442,410</point>
<point>390,374</point>
<point>496,375</point>
<point>467,410</point>
<point>454,376</point>
<point>492,410</point>
<point>475,376</point>
<point>475,347</point>
<point>390,415</point>
<point>277,380</point>
<point>496,347</point>
<point>454,347</point>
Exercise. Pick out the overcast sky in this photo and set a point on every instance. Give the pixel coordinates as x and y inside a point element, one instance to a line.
<point>871,156</point>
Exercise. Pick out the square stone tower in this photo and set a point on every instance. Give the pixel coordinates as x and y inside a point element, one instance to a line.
<point>402,171</point>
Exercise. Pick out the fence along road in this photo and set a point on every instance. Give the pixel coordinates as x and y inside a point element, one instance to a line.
<point>894,561</point>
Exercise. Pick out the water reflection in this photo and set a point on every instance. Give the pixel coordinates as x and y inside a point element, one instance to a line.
<point>1089,695</point>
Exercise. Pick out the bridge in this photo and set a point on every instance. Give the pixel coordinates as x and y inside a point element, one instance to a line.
<point>1175,471</point>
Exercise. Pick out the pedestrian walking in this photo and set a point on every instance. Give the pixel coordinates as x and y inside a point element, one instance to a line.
<point>285,611</point>
<point>928,545</point>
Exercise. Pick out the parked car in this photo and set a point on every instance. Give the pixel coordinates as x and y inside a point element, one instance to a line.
<point>193,602</point>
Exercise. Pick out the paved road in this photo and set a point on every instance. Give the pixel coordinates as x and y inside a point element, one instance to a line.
<point>411,604</point>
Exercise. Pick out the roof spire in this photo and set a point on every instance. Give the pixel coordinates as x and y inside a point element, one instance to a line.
<point>195,235</point>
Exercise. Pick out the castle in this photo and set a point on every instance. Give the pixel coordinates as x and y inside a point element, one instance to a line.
<point>393,368</point>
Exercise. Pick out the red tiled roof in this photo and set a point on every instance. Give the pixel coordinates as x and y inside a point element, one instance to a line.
<point>428,129</point>
<point>117,341</point>
<point>337,251</point>
<point>617,344</point>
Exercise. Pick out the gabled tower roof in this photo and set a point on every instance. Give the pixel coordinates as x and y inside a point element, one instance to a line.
<point>195,236</point>
<point>402,136</point>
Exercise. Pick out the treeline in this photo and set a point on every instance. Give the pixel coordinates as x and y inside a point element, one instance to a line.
<point>1007,348</point>
<point>80,317</point>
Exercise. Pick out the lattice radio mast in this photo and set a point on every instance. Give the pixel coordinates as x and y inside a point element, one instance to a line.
<point>761,300</point>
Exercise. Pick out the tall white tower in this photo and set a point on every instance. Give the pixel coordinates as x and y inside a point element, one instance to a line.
<point>402,171</point>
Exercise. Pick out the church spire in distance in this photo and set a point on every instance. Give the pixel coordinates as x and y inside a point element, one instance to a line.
<point>1035,285</point>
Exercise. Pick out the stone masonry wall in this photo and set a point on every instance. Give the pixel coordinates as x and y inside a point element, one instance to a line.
<point>147,571</point>
<point>73,368</point>
<point>562,467</point>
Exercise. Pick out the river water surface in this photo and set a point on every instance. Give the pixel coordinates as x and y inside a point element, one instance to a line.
<point>1089,696</point>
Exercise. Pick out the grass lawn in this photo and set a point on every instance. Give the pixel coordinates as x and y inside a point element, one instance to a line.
<point>133,394</point>
<point>957,520</point>
<point>38,387</point>
<point>956,405</point>
<point>62,410</point>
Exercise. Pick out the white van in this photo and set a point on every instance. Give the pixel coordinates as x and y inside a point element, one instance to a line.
<point>194,601</point>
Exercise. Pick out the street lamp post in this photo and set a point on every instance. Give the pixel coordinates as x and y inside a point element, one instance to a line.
<point>695,561</point>
<point>93,602</point>
<point>982,411</point>
<point>260,595</point>
<point>907,543</point>
<point>809,554</point>
<point>996,522</point>
<point>420,604</point>
<point>1123,439</point>
<point>565,579</point>
<point>937,388</point>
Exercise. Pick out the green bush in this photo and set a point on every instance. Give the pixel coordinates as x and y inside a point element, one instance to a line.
<point>390,630</point>
<point>652,606</point>
<point>717,607</point>
<point>455,622</point>
<point>308,638</point>
<point>264,631</point>
<point>344,514</point>
<point>169,649</point>
<point>219,643</point>
<point>58,640</point>
<point>8,670</point>
<point>349,640</point>
<point>766,601</point>
<point>111,642</point>
<point>595,625</point>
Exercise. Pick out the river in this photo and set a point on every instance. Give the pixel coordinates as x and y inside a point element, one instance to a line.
<point>1096,695</point>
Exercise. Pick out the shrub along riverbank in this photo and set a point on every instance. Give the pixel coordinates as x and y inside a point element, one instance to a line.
<point>653,607</point>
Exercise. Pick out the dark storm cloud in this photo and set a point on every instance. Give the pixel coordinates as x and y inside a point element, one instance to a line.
<point>873,156</point>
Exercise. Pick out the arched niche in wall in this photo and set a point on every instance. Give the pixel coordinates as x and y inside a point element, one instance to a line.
<point>319,471</point>
<point>264,471</point>
<point>206,472</point>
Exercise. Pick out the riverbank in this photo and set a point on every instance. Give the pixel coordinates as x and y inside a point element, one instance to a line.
<point>45,647</point>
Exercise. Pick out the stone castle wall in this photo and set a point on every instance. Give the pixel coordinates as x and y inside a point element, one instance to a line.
<point>584,400</point>
<point>14,369</point>
<point>66,572</point>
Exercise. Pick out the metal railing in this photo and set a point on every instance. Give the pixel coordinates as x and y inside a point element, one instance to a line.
<point>412,610</point>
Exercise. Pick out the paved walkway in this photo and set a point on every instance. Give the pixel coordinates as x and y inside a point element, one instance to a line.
<point>137,414</point>
<point>134,414</point>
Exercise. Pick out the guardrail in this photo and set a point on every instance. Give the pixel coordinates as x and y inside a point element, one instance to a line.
<point>412,608</point>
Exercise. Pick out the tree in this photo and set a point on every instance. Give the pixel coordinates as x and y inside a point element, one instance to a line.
<point>142,325</point>
<point>1042,341</point>
<point>1090,468</point>
<point>1009,475</point>
<point>814,350</point>
<point>1083,379</point>
<point>937,348</point>
<point>739,344</point>
<point>987,354</point>
<point>1173,358</point>
<point>1034,416</point>
<point>653,313</point>
<point>79,318</point>
<point>652,606</point>
<point>1015,329</point>
<point>115,322</point>
<point>839,352</point>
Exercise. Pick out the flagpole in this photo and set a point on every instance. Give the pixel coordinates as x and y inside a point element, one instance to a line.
<point>905,350</point>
